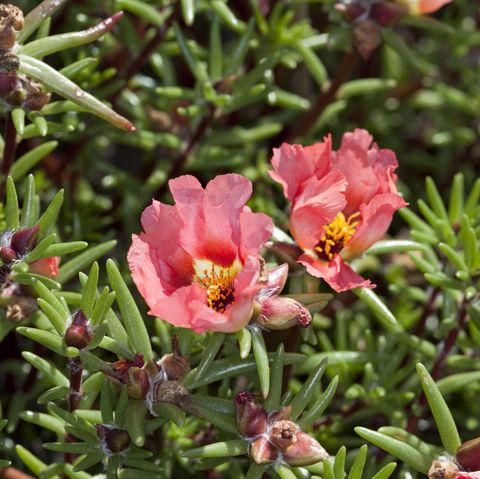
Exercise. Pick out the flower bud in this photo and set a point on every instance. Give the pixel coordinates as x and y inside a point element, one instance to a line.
<point>443,470</point>
<point>304,451</point>
<point>172,392</point>
<point>137,383</point>
<point>280,415</point>
<point>387,13</point>
<point>7,254</point>
<point>23,241</point>
<point>282,313</point>
<point>351,11</point>
<point>78,334</point>
<point>468,455</point>
<point>251,417</point>
<point>262,451</point>
<point>114,440</point>
<point>174,366</point>
<point>283,434</point>
<point>366,37</point>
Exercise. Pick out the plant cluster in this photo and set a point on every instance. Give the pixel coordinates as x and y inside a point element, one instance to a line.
<point>239,166</point>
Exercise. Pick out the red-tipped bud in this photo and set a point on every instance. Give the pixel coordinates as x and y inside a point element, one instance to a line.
<point>468,455</point>
<point>282,313</point>
<point>304,451</point>
<point>443,470</point>
<point>387,13</point>
<point>115,440</point>
<point>7,254</point>
<point>46,266</point>
<point>78,334</point>
<point>251,417</point>
<point>24,241</point>
<point>350,11</point>
<point>262,451</point>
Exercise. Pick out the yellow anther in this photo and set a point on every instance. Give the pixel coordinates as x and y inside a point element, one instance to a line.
<point>336,235</point>
<point>218,281</point>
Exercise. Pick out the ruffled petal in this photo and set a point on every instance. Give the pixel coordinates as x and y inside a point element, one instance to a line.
<point>318,204</point>
<point>339,276</point>
<point>293,164</point>
<point>255,230</point>
<point>376,217</point>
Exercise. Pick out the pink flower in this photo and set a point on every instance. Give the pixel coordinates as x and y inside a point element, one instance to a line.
<point>422,7</point>
<point>197,264</point>
<point>46,266</point>
<point>342,202</point>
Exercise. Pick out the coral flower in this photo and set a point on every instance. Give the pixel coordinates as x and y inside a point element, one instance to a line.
<point>422,7</point>
<point>342,202</point>
<point>197,264</point>
<point>46,266</point>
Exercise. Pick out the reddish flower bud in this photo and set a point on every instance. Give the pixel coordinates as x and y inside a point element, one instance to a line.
<point>78,334</point>
<point>387,13</point>
<point>443,470</point>
<point>468,455</point>
<point>24,241</point>
<point>304,451</point>
<point>137,383</point>
<point>351,11</point>
<point>282,313</point>
<point>114,440</point>
<point>280,415</point>
<point>283,434</point>
<point>262,451</point>
<point>7,254</point>
<point>251,417</point>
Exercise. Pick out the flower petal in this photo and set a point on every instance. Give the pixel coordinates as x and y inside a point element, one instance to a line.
<point>293,164</point>
<point>255,230</point>
<point>336,273</point>
<point>376,217</point>
<point>318,204</point>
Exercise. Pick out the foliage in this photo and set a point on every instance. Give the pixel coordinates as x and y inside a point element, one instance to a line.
<point>91,384</point>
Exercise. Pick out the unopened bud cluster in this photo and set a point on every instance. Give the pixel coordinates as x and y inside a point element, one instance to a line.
<point>78,333</point>
<point>274,437</point>
<point>153,382</point>
<point>465,464</point>
<point>15,89</point>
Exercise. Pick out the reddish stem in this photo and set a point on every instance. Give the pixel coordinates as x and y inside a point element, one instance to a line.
<point>10,137</point>
<point>343,73</point>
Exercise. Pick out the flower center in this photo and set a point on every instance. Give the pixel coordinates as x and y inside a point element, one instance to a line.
<point>218,281</point>
<point>336,235</point>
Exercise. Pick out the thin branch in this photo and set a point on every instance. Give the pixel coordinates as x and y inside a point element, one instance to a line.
<point>10,138</point>
<point>137,64</point>
<point>182,158</point>
<point>343,73</point>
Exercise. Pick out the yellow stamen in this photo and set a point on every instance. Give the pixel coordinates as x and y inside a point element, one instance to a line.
<point>218,281</point>
<point>336,235</point>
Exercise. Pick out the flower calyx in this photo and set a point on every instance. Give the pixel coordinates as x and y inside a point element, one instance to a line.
<point>468,455</point>
<point>132,374</point>
<point>78,333</point>
<point>274,312</point>
<point>274,437</point>
<point>114,440</point>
